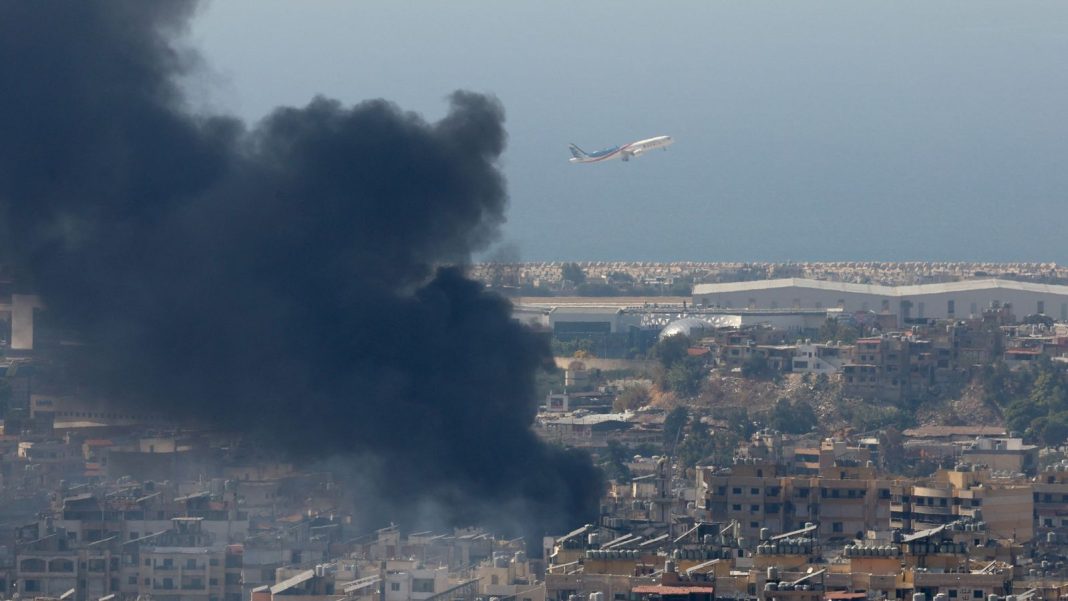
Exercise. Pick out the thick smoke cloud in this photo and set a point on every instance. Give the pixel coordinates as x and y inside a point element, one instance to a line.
<point>283,280</point>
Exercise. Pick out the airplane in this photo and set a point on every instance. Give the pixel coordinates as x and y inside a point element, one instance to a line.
<point>624,152</point>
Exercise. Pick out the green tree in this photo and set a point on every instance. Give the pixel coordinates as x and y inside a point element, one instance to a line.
<point>739,422</point>
<point>1037,402</point>
<point>671,349</point>
<point>1048,392</point>
<point>792,418</point>
<point>832,330</point>
<point>614,462</point>
<point>1055,429</point>
<point>673,424</point>
<point>1021,413</point>
<point>572,272</point>
<point>632,397</point>
<point>892,449</point>
<point>756,367</point>
<point>685,377</point>
<point>698,444</point>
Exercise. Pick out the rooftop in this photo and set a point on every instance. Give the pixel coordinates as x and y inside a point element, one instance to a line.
<point>877,290</point>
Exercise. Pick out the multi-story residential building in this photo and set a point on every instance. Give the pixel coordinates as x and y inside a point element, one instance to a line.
<point>846,499</point>
<point>50,567</point>
<point>136,510</point>
<point>1005,506</point>
<point>509,577</point>
<point>1050,494</point>
<point>817,358</point>
<point>889,368</point>
<point>185,564</point>
<point>1002,454</point>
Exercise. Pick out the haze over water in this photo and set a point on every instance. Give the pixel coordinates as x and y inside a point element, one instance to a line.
<point>804,131</point>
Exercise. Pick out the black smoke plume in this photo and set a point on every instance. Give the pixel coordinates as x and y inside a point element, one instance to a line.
<point>289,280</point>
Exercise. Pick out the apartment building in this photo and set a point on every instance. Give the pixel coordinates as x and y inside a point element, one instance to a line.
<point>817,358</point>
<point>1005,507</point>
<point>844,499</point>
<point>890,368</point>
<point>49,567</point>
<point>185,564</point>
<point>1050,495</point>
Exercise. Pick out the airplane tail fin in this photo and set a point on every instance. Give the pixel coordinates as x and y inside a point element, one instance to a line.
<point>577,152</point>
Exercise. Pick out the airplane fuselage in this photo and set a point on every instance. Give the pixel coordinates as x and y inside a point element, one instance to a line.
<point>624,152</point>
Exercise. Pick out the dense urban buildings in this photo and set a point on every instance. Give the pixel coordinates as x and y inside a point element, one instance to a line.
<point>807,452</point>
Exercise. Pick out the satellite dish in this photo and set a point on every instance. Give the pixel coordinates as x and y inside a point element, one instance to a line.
<point>809,570</point>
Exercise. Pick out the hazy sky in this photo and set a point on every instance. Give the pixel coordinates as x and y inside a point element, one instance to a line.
<point>804,130</point>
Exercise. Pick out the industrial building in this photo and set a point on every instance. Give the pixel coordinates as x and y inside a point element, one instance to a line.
<point>927,301</point>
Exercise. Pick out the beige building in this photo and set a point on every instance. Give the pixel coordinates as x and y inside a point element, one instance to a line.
<point>1006,507</point>
<point>846,500</point>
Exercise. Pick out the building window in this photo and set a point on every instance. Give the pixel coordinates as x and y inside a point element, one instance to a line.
<point>736,491</point>
<point>422,585</point>
<point>394,586</point>
<point>736,507</point>
<point>919,309</point>
<point>975,309</point>
<point>754,491</point>
<point>951,307</point>
<point>836,527</point>
<point>1041,307</point>
<point>754,508</point>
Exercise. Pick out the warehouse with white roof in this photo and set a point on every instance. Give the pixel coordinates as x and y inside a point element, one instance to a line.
<point>931,301</point>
